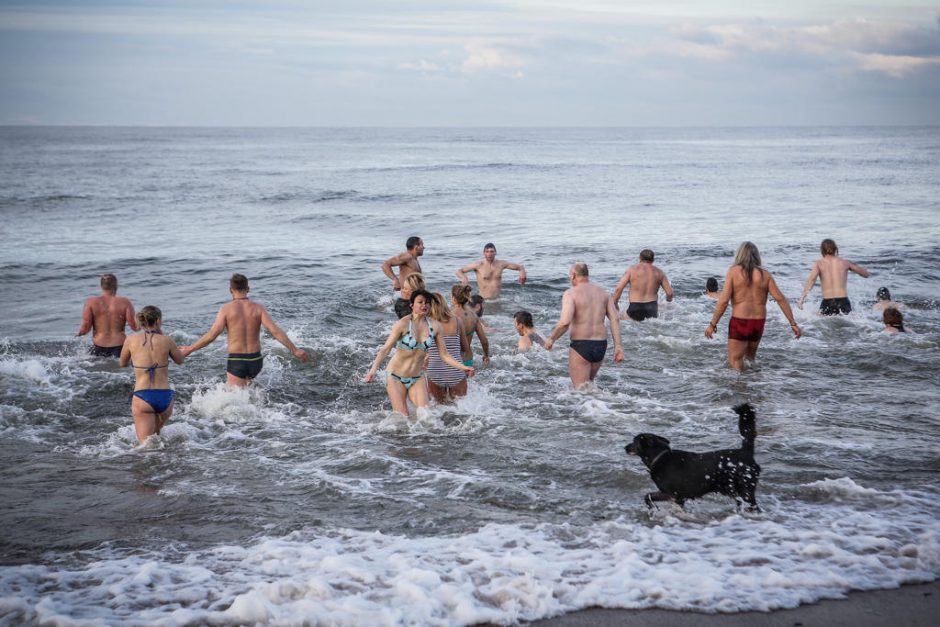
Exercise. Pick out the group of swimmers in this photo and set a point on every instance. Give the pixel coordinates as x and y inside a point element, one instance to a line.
<point>432,338</point>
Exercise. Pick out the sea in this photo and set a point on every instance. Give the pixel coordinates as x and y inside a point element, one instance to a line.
<point>305,501</point>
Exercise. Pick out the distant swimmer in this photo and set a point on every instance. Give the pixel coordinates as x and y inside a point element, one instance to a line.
<point>489,272</point>
<point>446,382</point>
<point>107,315</point>
<point>644,280</point>
<point>832,271</point>
<point>747,285</point>
<point>406,262</point>
<point>711,288</point>
<point>414,281</point>
<point>242,320</point>
<point>411,338</point>
<point>884,301</point>
<point>472,324</point>
<point>894,321</point>
<point>150,352</point>
<point>583,309</point>
<point>525,327</point>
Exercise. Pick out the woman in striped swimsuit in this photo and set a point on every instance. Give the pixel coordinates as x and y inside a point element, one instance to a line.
<point>446,382</point>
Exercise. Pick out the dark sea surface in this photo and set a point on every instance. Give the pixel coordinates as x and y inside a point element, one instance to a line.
<point>306,501</point>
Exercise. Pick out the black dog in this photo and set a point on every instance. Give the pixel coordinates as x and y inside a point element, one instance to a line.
<point>681,475</point>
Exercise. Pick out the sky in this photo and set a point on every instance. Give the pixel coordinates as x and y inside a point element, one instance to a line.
<point>470,62</point>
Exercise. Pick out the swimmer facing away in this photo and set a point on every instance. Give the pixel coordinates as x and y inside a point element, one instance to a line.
<point>150,352</point>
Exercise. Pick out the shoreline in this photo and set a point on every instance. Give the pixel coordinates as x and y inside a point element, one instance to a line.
<point>913,604</point>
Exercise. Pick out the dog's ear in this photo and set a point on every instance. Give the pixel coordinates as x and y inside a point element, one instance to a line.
<point>660,440</point>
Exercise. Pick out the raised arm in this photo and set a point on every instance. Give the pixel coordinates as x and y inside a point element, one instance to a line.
<point>614,319</point>
<point>518,267</point>
<point>723,299</point>
<point>87,319</point>
<point>461,272</point>
<point>859,270</point>
<point>784,306</point>
<point>567,315</point>
<point>621,285</point>
<point>390,263</point>
<point>810,282</point>
<point>217,327</point>
<point>280,336</point>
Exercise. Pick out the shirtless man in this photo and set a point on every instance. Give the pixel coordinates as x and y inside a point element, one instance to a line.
<point>746,288</point>
<point>489,273</point>
<point>242,319</point>
<point>107,315</point>
<point>525,327</point>
<point>644,280</point>
<point>407,262</point>
<point>832,271</point>
<point>583,308</point>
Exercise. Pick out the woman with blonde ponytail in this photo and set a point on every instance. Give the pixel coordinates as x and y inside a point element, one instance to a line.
<point>149,352</point>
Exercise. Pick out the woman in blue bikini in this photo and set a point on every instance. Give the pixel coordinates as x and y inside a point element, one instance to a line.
<point>411,337</point>
<point>149,352</point>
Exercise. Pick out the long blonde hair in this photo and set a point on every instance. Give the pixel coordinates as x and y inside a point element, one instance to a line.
<point>748,257</point>
<point>439,309</point>
<point>414,281</point>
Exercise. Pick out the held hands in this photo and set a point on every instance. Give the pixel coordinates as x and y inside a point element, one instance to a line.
<point>549,343</point>
<point>186,350</point>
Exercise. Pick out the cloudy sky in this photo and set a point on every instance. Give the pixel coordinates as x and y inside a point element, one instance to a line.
<point>470,62</point>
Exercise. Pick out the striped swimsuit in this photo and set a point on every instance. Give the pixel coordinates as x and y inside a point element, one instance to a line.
<point>439,372</point>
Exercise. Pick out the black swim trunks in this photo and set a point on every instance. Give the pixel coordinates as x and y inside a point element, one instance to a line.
<point>244,365</point>
<point>642,311</point>
<point>105,351</point>
<point>402,307</point>
<point>835,306</point>
<point>592,350</point>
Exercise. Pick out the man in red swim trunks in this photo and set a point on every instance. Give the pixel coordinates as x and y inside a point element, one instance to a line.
<point>747,285</point>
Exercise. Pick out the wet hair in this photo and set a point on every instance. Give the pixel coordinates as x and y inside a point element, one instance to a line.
<point>489,245</point>
<point>415,294</point>
<point>148,317</point>
<point>439,309</point>
<point>461,294</point>
<point>475,300</point>
<point>524,318</point>
<point>711,285</point>
<point>748,257</point>
<point>894,318</point>
<point>412,241</point>
<point>647,255</point>
<point>238,282</point>
<point>415,281</point>
<point>828,247</point>
<point>883,293</point>
<point>580,269</point>
<point>109,282</point>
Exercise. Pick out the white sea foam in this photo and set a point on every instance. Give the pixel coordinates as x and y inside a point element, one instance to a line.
<point>498,573</point>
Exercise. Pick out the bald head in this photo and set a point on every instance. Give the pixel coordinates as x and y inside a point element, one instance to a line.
<point>579,269</point>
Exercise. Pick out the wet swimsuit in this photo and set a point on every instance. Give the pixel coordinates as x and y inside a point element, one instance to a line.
<point>159,400</point>
<point>440,373</point>
<point>745,330</point>
<point>244,365</point>
<point>105,351</point>
<point>642,311</point>
<point>407,381</point>
<point>402,307</point>
<point>591,350</point>
<point>409,342</point>
<point>835,306</point>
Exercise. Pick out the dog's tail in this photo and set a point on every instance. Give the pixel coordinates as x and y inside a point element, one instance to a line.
<point>747,425</point>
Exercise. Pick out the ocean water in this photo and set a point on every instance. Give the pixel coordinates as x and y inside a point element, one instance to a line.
<point>305,501</point>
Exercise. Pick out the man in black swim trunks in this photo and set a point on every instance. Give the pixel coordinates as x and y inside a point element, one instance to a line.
<point>644,280</point>
<point>833,273</point>
<point>107,315</point>
<point>242,320</point>
<point>583,308</point>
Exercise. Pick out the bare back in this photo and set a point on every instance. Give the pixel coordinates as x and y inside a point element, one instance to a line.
<point>748,300</point>
<point>243,319</point>
<point>108,315</point>
<point>833,276</point>
<point>644,280</point>
<point>157,351</point>
<point>589,301</point>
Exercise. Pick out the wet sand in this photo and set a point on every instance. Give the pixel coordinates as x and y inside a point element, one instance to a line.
<point>908,605</point>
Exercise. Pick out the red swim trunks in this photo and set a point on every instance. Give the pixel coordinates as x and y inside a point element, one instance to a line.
<point>745,330</point>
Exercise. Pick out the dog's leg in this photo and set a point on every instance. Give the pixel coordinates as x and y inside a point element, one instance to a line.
<point>658,496</point>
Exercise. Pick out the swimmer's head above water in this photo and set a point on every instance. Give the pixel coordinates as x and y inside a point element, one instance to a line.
<point>711,285</point>
<point>883,294</point>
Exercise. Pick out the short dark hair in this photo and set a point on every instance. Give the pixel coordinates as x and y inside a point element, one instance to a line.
<point>415,294</point>
<point>412,241</point>
<point>475,300</point>
<point>109,282</point>
<point>883,293</point>
<point>524,318</point>
<point>647,255</point>
<point>711,285</point>
<point>489,245</point>
<point>238,282</point>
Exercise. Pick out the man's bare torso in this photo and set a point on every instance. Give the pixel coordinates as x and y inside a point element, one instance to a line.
<point>243,326</point>
<point>645,280</point>
<point>409,266</point>
<point>590,312</point>
<point>749,301</point>
<point>833,276</point>
<point>108,319</point>
<point>490,278</point>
